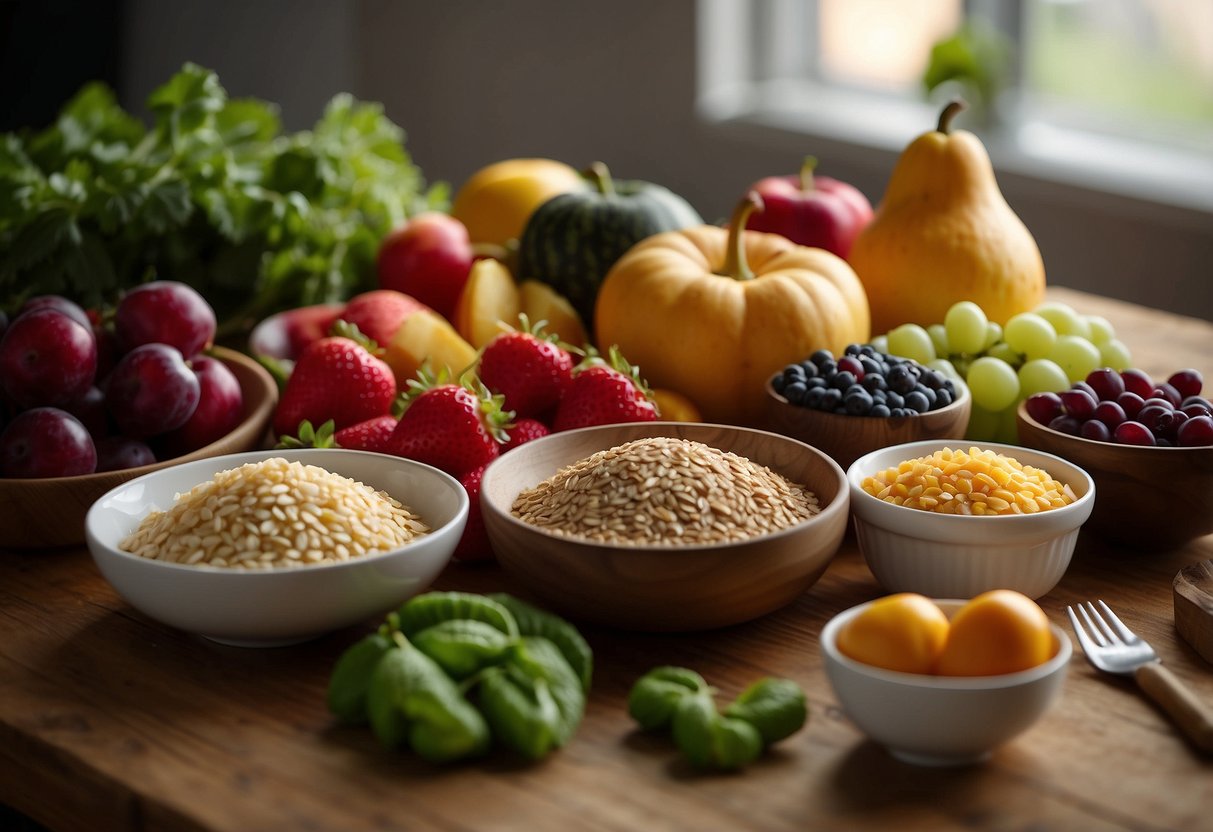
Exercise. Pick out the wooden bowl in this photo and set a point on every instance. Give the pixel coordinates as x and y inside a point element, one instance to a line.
<point>665,588</point>
<point>1146,498</point>
<point>847,438</point>
<point>40,513</point>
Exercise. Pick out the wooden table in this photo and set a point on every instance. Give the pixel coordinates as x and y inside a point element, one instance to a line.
<point>110,721</point>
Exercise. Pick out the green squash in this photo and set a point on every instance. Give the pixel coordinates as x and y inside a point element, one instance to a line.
<point>572,240</point>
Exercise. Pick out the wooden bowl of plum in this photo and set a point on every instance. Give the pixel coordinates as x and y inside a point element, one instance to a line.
<point>862,401</point>
<point>85,406</point>
<point>1148,445</point>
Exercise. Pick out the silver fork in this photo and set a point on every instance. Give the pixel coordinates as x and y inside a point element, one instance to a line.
<point>1114,648</point>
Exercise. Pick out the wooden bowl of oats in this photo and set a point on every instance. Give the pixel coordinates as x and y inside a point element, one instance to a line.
<point>665,526</point>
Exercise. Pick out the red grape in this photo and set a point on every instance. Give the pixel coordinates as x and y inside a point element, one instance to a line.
<point>1077,403</point>
<point>1187,382</point>
<point>851,364</point>
<point>1133,433</point>
<point>115,453</point>
<point>47,358</point>
<point>67,307</point>
<point>1196,431</point>
<point>89,408</point>
<point>1043,407</point>
<point>152,390</point>
<point>165,312</point>
<point>1138,382</point>
<point>1106,383</point>
<point>1131,403</point>
<point>1156,418</point>
<point>1066,424</point>
<point>46,442</point>
<point>1109,413</point>
<point>1096,430</point>
<point>1195,409</point>
<point>1166,391</point>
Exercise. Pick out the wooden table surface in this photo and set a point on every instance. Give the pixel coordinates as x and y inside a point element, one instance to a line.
<point>110,721</point>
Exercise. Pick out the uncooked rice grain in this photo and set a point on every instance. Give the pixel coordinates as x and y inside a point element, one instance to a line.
<point>275,514</point>
<point>665,491</point>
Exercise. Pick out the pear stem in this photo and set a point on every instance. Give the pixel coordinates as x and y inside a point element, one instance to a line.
<point>735,265</point>
<point>950,112</point>
<point>806,173</point>
<point>600,177</point>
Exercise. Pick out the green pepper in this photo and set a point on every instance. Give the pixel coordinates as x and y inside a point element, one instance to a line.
<point>533,621</point>
<point>776,707</point>
<point>351,677</point>
<point>462,646</point>
<point>657,693</point>
<point>412,699</point>
<point>709,740</point>
<point>520,711</point>
<point>435,607</point>
<point>539,659</point>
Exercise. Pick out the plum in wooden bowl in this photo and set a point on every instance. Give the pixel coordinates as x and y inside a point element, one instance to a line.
<point>1151,498</point>
<point>665,526</point>
<point>49,511</point>
<point>848,413</point>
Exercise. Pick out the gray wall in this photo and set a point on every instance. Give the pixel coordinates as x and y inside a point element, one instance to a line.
<point>473,81</point>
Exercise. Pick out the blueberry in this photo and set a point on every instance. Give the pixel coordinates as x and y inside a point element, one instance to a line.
<point>942,398</point>
<point>853,349</point>
<point>858,404</point>
<point>871,365</point>
<point>841,410</point>
<point>817,381</point>
<point>917,402</point>
<point>874,383</point>
<point>843,380</point>
<point>795,392</point>
<point>928,392</point>
<point>821,357</point>
<point>894,400</point>
<point>878,396</point>
<point>900,379</point>
<point>879,410</point>
<point>808,368</point>
<point>813,397</point>
<point>827,367</point>
<point>899,411</point>
<point>868,350</point>
<point>931,379</point>
<point>831,398</point>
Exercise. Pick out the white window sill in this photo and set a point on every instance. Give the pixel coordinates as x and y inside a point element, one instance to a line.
<point>1091,166</point>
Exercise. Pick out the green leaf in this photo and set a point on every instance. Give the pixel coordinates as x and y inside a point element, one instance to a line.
<point>51,230</point>
<point>186,101</point>
<point>167,206</point>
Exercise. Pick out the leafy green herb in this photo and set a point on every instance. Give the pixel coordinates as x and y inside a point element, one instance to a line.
<point>213,194</point>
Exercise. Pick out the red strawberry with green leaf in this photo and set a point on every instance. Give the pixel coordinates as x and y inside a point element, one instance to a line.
<point>523,431</point>
<point>527,367</point>
<point>335,378</point>
<point>450,426</point>
<point>474,544</point>
<point>371,435</point>
<point>602,393</point>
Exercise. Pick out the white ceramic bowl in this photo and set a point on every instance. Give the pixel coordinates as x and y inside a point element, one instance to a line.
<point>952,556</point>
<point>283,605</point>
<point>941,720</point>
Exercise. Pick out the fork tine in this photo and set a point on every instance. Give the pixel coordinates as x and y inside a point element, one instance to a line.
<point>1088,645</point>
<point>1127,635</point>
<point>1100,631</point>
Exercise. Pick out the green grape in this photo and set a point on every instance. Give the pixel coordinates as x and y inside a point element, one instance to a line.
<point>966,326</point>
<point>1113,353</point>
<point>993,383</point>
<point>1077,356</point>
<point>939,337</point>
<point>880,343</point>
<point>983,424</point>
<point>943,365</point>
<point>1030,334</point>
<point>911,341</point>
<point>993,334</point>
<point>1041,375</point>
<point>1064,319</point>
<point>1003,352</point>
<point>1101,329</point>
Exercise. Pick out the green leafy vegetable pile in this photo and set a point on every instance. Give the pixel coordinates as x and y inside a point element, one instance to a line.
<point>680,700</point>
<point>450,672</point>
<point>213,194</point>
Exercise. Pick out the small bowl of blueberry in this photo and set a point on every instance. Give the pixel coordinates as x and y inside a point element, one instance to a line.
<point>1147,443</point>
<point>864,400</point>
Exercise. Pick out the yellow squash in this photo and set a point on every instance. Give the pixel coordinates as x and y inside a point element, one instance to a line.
<point>497,200</point>
<point>712,313</point>
<point>944,233</point>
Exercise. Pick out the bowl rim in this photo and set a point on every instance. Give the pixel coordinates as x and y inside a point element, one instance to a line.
<point>962,390</point>
<point>855,482</point>
<point>261,412</point>
<point>840,503</point>
<point>926,681</point>
<point>1021,415</point>
<point>95,544</point>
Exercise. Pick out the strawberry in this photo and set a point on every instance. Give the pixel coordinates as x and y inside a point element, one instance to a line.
<point>379,313</point>
<point>474,544</point>
<point>306,325</point>
<point>528,368</point>
<point>604,394</point>
<point>524,430</point>
<point>335,378</point>
<point>449,426</point>
<point>371,435</point>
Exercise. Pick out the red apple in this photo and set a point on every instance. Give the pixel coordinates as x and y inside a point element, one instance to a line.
<point>812,210</point>
<point>379,313</point>
<point>429,258</point>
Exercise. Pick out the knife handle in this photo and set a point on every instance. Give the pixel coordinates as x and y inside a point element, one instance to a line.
<point>1192,716</point>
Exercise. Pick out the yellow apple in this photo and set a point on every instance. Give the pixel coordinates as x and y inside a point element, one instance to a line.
<point>426,338</point>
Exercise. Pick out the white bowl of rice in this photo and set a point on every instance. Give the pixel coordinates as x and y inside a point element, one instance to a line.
<point>276,547</point>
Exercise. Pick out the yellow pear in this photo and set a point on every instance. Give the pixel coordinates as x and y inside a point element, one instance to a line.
<point>540,302</point>
<point>944,233</point>
<point>425,338</point>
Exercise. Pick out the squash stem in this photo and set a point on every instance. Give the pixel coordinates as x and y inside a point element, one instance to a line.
<point>600,177</point>
<point>950,112</point>
<point>735,265</point>
<point>806,173</point>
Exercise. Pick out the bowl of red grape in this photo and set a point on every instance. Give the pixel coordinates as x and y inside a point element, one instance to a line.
<point>862,401</point>
<point>90,400</point>
<point>1148,445</point>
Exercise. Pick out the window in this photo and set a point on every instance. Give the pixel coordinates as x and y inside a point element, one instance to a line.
<point>1110,95</point>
